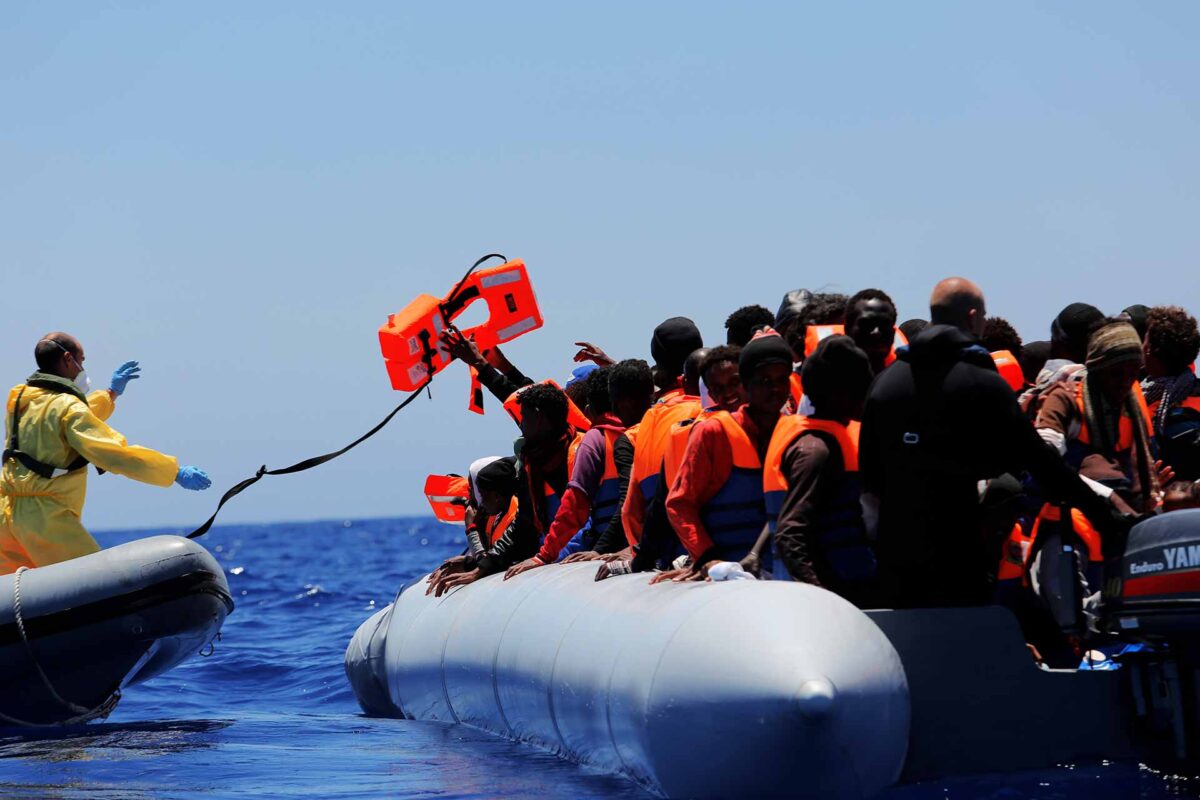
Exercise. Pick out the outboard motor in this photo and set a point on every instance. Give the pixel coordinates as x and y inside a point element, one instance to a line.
<point>1155,599</point>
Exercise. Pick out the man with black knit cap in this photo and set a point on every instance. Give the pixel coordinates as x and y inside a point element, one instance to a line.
<point>935,424</point>
<point>716,504</point>
<point>670,345</point>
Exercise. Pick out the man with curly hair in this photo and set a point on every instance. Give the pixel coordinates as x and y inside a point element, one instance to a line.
<point>742,324</point>
<point>1172,391</point>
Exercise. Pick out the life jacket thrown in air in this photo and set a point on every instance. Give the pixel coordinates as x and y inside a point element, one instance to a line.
<point>1009,369</point>
<point>411,339</point>
<point>448,496</point>
<point>575,417</point>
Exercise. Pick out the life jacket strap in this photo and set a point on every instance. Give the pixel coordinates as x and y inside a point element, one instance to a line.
<point>41,468</point>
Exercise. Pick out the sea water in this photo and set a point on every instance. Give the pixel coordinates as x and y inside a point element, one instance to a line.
<point>270,714</point>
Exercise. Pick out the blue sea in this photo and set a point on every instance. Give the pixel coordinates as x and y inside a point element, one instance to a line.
<point>269,714</point>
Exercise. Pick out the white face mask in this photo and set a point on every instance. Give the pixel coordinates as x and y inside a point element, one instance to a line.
<point>82,381</point>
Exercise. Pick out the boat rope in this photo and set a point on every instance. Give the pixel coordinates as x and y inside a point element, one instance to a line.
<point>81,713</point>
<point>316,461</point>
<point>307,463</point>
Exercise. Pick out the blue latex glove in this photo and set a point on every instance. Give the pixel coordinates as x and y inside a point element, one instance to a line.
<point>129,371</point>
<point>193,478</point>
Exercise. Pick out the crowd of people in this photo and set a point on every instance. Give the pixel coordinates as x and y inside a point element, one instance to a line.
<point>938,462</point>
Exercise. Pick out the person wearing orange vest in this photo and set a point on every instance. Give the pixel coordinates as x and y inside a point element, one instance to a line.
<point>1100,427</point>
<point>546,455</point>
<point>871,323</point>
<point>618,396</point>
<point>493,503</point>
<point>1171,345</point>
<point>643,501</point>
<point>810,478</point>
<point>718,370</point>
<point>716,504</point>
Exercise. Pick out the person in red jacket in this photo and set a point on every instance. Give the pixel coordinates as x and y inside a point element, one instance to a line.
<point>716,504</point>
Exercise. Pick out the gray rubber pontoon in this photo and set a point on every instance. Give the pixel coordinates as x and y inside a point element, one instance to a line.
<point>99,623</point>
<point>723,689</point>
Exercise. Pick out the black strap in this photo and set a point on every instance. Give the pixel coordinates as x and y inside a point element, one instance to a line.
<point>301,466</point>
<point>429,351</point>
<point>32,464</point>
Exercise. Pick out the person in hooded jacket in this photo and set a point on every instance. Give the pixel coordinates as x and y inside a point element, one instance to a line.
<point>935,424</point>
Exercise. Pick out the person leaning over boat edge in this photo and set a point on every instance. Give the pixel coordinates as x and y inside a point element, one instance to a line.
<point>55,429</point>
<point>546,454</point>
<point>621,394</point>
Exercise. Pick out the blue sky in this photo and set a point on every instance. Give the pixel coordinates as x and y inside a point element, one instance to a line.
<point>237,195</point>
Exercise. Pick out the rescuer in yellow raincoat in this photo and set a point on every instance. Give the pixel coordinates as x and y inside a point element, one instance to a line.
<point>54,429</point>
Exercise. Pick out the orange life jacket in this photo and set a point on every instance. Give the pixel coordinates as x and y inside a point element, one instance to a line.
<point>448,496</point>
<point>552,498</point>
<point>411,339</point>
<point>815,333</point>
<point>1078,449</point>
<point>1009,369</point>
<point>605,505</point>
<point>497,524</point>
<point>1014,554</point>
<point>735,515</point>
<point>653,436</point>
<point>797,391</point>
<point>575,417</point>
<point>840,531</point>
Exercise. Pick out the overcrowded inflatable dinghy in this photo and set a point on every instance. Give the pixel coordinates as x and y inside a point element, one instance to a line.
<point>74,634</point>
<point>775,688</point>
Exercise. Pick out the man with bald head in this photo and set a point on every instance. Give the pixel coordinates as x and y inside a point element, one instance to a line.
<point>55,428</point>
<point>936,423</point>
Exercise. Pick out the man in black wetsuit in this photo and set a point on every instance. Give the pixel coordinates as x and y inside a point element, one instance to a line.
<point>935,424</point>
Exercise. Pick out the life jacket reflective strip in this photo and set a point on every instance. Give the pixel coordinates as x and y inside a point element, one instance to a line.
<point>575,418</point>
<point>841,533</point>
<point>654,434</point>
<point>1009,369</point>
<point>13,445</point>
<point>448,496</point>
<point>411,339</point>
<point>498,524</point>
<point>815,333</point>
<point>736,514</point>
<point>604,504</point>
<point>1013,554</point>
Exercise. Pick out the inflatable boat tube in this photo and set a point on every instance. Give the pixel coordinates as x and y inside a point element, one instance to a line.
<point>744,688</point>
<point>99,623</point>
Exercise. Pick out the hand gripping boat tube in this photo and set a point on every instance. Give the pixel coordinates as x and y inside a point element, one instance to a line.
<point>739,689</point>
<point>411,339</point>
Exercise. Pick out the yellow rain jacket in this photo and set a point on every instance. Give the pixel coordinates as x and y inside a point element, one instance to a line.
<point>40,517</point>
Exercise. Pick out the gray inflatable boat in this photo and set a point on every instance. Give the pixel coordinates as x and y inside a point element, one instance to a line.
<point>74,634</point>
<point>738,689</point>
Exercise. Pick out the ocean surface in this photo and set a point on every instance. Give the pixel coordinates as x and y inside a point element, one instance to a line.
<point>270,714</point>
